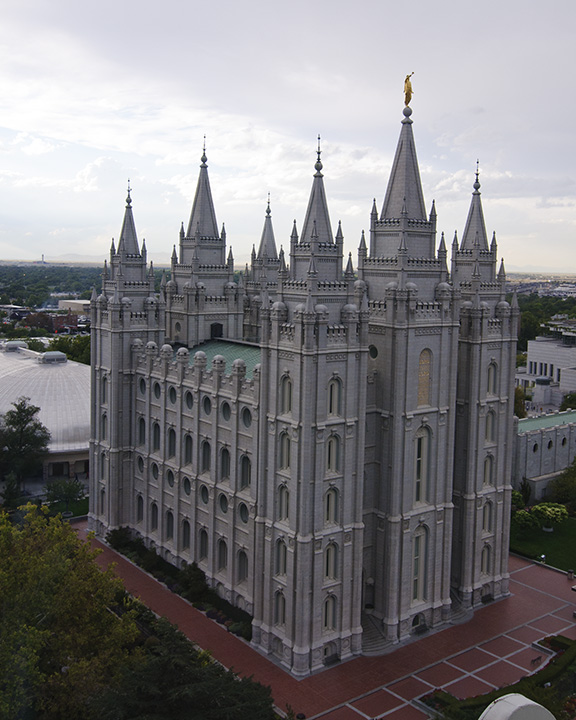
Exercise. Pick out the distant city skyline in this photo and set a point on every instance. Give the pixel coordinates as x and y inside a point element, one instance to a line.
<point>92,95</point>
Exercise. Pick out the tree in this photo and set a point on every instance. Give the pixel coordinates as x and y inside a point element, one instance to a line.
<point>61,645</point>
<point>23,440</point>
<point>519,398</point>
<point>568,402</point>
<point>563,488</point>
<point>76,348</point>
<point>548,514</point>
<point>65,490</point>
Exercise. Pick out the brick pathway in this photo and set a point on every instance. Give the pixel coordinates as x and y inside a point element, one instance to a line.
<point>491,650</point>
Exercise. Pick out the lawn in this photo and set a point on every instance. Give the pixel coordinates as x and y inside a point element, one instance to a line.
<point>558,546</point>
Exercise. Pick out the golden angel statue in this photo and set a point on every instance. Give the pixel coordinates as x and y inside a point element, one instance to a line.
<point>408,89</point>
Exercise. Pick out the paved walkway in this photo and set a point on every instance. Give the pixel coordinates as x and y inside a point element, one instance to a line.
<point>492,650</point>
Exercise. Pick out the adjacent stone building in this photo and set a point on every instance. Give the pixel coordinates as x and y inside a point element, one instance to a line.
<point>332,445</point>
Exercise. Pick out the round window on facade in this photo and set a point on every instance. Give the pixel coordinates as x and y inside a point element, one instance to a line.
<point>187,486</point>
<point>172,395</point>
<point>155,471</point>
<point>170,478</point>
<point>226,411</point>
<point>189,398</point>
<point>207,405</point>
<point>204,494</point>
<point>157,390</point>
<point>140,464</point>
<point>223,502</point>
<point>243,512</point>
<point>246,417</point>
<point>142,386</point>
<point>373,350</point>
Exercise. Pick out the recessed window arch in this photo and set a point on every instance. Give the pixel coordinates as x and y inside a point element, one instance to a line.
<point>155,437</point>
<point>153,516</point>
<point>139,508</point>
<point>242,566</point>
<point>225,463</point>
<point>488,470</point>
<point>331,561</point>
<point>333,454</point>
<point>331,506</point>
<point>222,554</point>
<point>421,464</point>
<point>283,502</point>
<point>419,564</point>
<point>206,456</point>
<point>492,378</point>
<point>104,426</point>
<point>102,466</point>
<point>490,426</point>
<point>185,534</point>
<point>286,394</point>
<point>279,608</point>
<point>141,431</point>
<point>424,377</point>
<point>486,560</point>
<point>335,397</point>
<point>202,544</point>
<point>102,501</point>
<point>169,529</point>
<point>285,446</point>
<point>245,472</point>
<point>329,613</point>
<point>487,517</point>
<point>188,446</point>
<point>281,560</point>
<point>171,442</point>
<point>104,389</point>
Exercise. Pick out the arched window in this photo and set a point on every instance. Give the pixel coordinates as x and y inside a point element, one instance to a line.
<point>104,389</point>
<point>331,561</point>
<point>203,544</point>
<point>185,534</point>
<point>333,453</point>
<point>284,451</point>
<point>486,560</point>
<point>242,566</point>
<point>171,442</point>
<point>419,553</point>
<point>283,502</point>
<point>187,449</point>
<point>104,426</point>
<point>169,530</point>
<point>335,397</point>
<point>331,506</point>
<point>155,437</point>
<point>225,463</point>
<point>286,395</point>
<point>245,472</point>
<point>139,508</point>
<point>141,431</point>
<point>222,555</point>
<point>206,456</point>
<point>487,517</point>
<point>492,378</point>
<point>424,377</point>
<point>153,516</point>
<point>421,464</point>
<point>279,608</point>
<point>102,466</point>
<point>102,501</point>
<point>329,613</point>
<point>490,426</point>
<point>281,557</point>
<point>488,470</point>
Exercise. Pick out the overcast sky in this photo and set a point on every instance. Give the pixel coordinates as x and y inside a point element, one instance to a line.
<point>92,94</point>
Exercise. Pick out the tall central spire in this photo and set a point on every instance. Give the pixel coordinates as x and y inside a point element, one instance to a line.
<point>203,217</point>
<point>475,230</point>
<point>128,239</point>
<point>404,188</point>
<point>317,212</point>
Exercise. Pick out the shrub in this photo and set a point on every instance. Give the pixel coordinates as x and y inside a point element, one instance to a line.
<point>549,514</point>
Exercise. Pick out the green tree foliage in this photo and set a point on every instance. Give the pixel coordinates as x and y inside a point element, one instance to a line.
<point>536,310</point>
<point>23,440</point>
<point>64,490</point>
<point>548,514</point>
<point>517,501</point>
<point>519,407</point>
<point>76,347</point>
<point>60,645</point>
<point>568,402</point>
<point>563,488</point>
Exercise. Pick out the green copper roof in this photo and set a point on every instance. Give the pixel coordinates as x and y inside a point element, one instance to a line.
<point>546,421</point>
<point>230,351</point>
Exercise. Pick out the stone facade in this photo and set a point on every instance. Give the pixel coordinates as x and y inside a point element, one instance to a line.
<point>332,447</point>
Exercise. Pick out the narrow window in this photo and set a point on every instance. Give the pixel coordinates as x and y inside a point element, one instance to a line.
<point>419,550</point>
<point>485,560</point>
<point>279,608</point>
<point>286,395</point>
<point>421,462</point>
<point>206,456</point>
<point>331,506</point>
<point>333,453</point>
<point>491,386</point>
<point>329,613</point>
<point>154,516</point>
<point>169,525</point>
<point>203,545</point>
<point>335,397</point>
<point>171,442</point>
<point>104,389</point>
<point>187,449</point>
<point>487,517</point>
<point>424,377</point>
<point>139,508</point>
<point>488,469</point>
<point>281,557</point>
<point>155,437</point>
<point>284,451</point>
<point>185,534</point>
<point>330,561</point>
<point>283,499</point>
<point>104,427</point>
<point>222,555</point>
<point>242,566</point>
<point>490,422</point>
<point>225,463</point>
<point>141,431</point>
<point>245,472</point>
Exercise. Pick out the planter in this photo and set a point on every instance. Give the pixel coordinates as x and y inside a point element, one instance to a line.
<point>547,529</point>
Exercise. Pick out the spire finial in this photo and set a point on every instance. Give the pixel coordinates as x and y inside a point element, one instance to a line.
<point>318,164</point>
<point>129,199</point>
<point>204,158</point>
<point>477,181</point>
<point>268,206</point>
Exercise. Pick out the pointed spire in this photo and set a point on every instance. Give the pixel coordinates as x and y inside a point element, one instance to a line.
<point>128,239</point>
<point>282,260</point>
<point>203,218</point>
<point>502,272</point>
<point>294,234</point>
<point>362,247</point>
<point>455,243</point>
<point>312,272</point>
<point>339,234</point>
<point>230,257</point>
<point>112,248</point>
<point>442,246</point>
<point>144,252</point>
<point>433,211</point>
<point>174,257</point>
<point>267,241</point>
<point>493,245</point>
<point>404,186</point>
<point>349,272</point>
<point>317,212</point>
<point>374,210</point>
<point>475,230</point>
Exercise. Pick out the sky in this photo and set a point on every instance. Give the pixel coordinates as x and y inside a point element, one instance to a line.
<point>95,94</point>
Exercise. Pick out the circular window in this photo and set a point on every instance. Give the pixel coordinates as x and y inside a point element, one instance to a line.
<point>207,405</point>
<point>223,502</point>
<point>172,395</point>
<point>204,494</point>
<point>187,486</point>
<point>243,511</point>
<point>246,417</point>
<point>141,464</point>
<point>535,448</point>
<point>373,350</point>
<point>142,386</point>
<point>157,390</point>
<point>226,411</point>
<point>189,398</point>
<point>170,478</point>
<point>155,471</point>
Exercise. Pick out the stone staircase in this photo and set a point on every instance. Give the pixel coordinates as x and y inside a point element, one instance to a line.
<point>373,641</point>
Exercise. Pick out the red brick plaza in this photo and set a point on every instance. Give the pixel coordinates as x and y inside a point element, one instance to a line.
<point>490,651</point>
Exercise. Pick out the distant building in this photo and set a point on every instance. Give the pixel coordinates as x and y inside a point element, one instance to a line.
<point>332,446</point>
